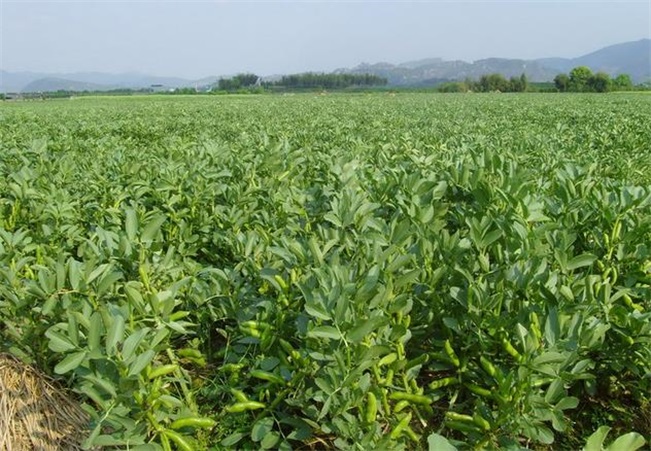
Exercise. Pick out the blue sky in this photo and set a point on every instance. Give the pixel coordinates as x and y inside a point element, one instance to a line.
<point>202,38</point>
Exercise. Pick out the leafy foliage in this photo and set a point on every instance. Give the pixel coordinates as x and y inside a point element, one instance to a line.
<point>352,272</point>
<point>581,79</point>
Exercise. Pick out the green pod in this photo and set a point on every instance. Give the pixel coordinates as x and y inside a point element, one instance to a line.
<point>488,366</point>
<point>411,398</point>
<point>606,273</point>
<point>481,422</point>
<point>400,406</point>
<point>190,353</point>
<point>616,231</point>
<point>266,376</point>
<point>371,407</point>
<point>480,391</point>
<point>535,325</point>
<point>398,430</point>
<point>239,395</point>
<point>255,325</point>
<point>508,347</point>
<point>420,360</point>
<point>629,303</point>
<point>165,442</point>
<point>389,379</point>
<point>255,333</point>
<point>231,367</point>
<point>162,371</point>
<point>193,422</point>
<point>180,441</point>
<point>503,399</point>
<point>267,340</point>
<point>287,347</point>
<point>409,432</point>
<point>444,382</point>
<point>388,359</point>
<point>244,406</point>
<point>385,401</point>
<point>439,357</point>
<point>542,381</point>
<point>454,416</point>
<point>281,282</point>
<point>451,354</point>
<point>463,426</point>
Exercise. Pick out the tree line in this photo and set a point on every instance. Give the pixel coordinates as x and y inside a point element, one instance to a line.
<point>329,81</point>
<point>309,80</point>
<point>581,79</point>
<point>488,83</point>
<point>239,81</point>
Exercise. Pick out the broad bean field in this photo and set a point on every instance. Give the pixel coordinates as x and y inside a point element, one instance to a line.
<point>354,272</point>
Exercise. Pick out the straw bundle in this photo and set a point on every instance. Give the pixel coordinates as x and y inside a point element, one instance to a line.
<point>34,414</point>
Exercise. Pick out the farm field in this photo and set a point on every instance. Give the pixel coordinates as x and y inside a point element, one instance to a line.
<point>334,272</point>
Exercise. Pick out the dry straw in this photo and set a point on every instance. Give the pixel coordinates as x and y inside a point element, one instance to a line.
<point>34,414</point>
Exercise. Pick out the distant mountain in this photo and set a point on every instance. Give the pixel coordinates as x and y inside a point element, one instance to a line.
<point>15,81</point>
<point>421,63</point>
<point>50,84</point>
<point>434,71</point>
<point>91,81</point>
<point>633,58</point>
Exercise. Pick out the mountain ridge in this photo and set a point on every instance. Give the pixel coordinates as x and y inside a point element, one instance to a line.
<point>633,58</point>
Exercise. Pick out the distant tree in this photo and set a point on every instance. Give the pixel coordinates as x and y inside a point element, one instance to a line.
<point>454,86</point>
<point>580,78</point>
<point>524,82</point>
<point>492,82</point>
<point>562,82</point>
<point>247,80</point>
<point>599,82</point>
<point>184,91</point>
<point>240,81</point>
<point>227,84</point>
<point>312,80</point>
<point>518,84</point>
<point>622,82</point>
<point>514,84</point>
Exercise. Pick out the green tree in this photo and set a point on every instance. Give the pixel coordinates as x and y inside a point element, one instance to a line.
<point>329,81</point>
<point>247,80</point>
<point>228,84</point>
<point>524,82</point>
<point>239,81</point>
<point>454,86</point>
<point>518,84</point>
<point>599,82</point>
<point>562,82</point>
<point>493,82</point>
<point>580,78</point>
<point>622,82</point>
